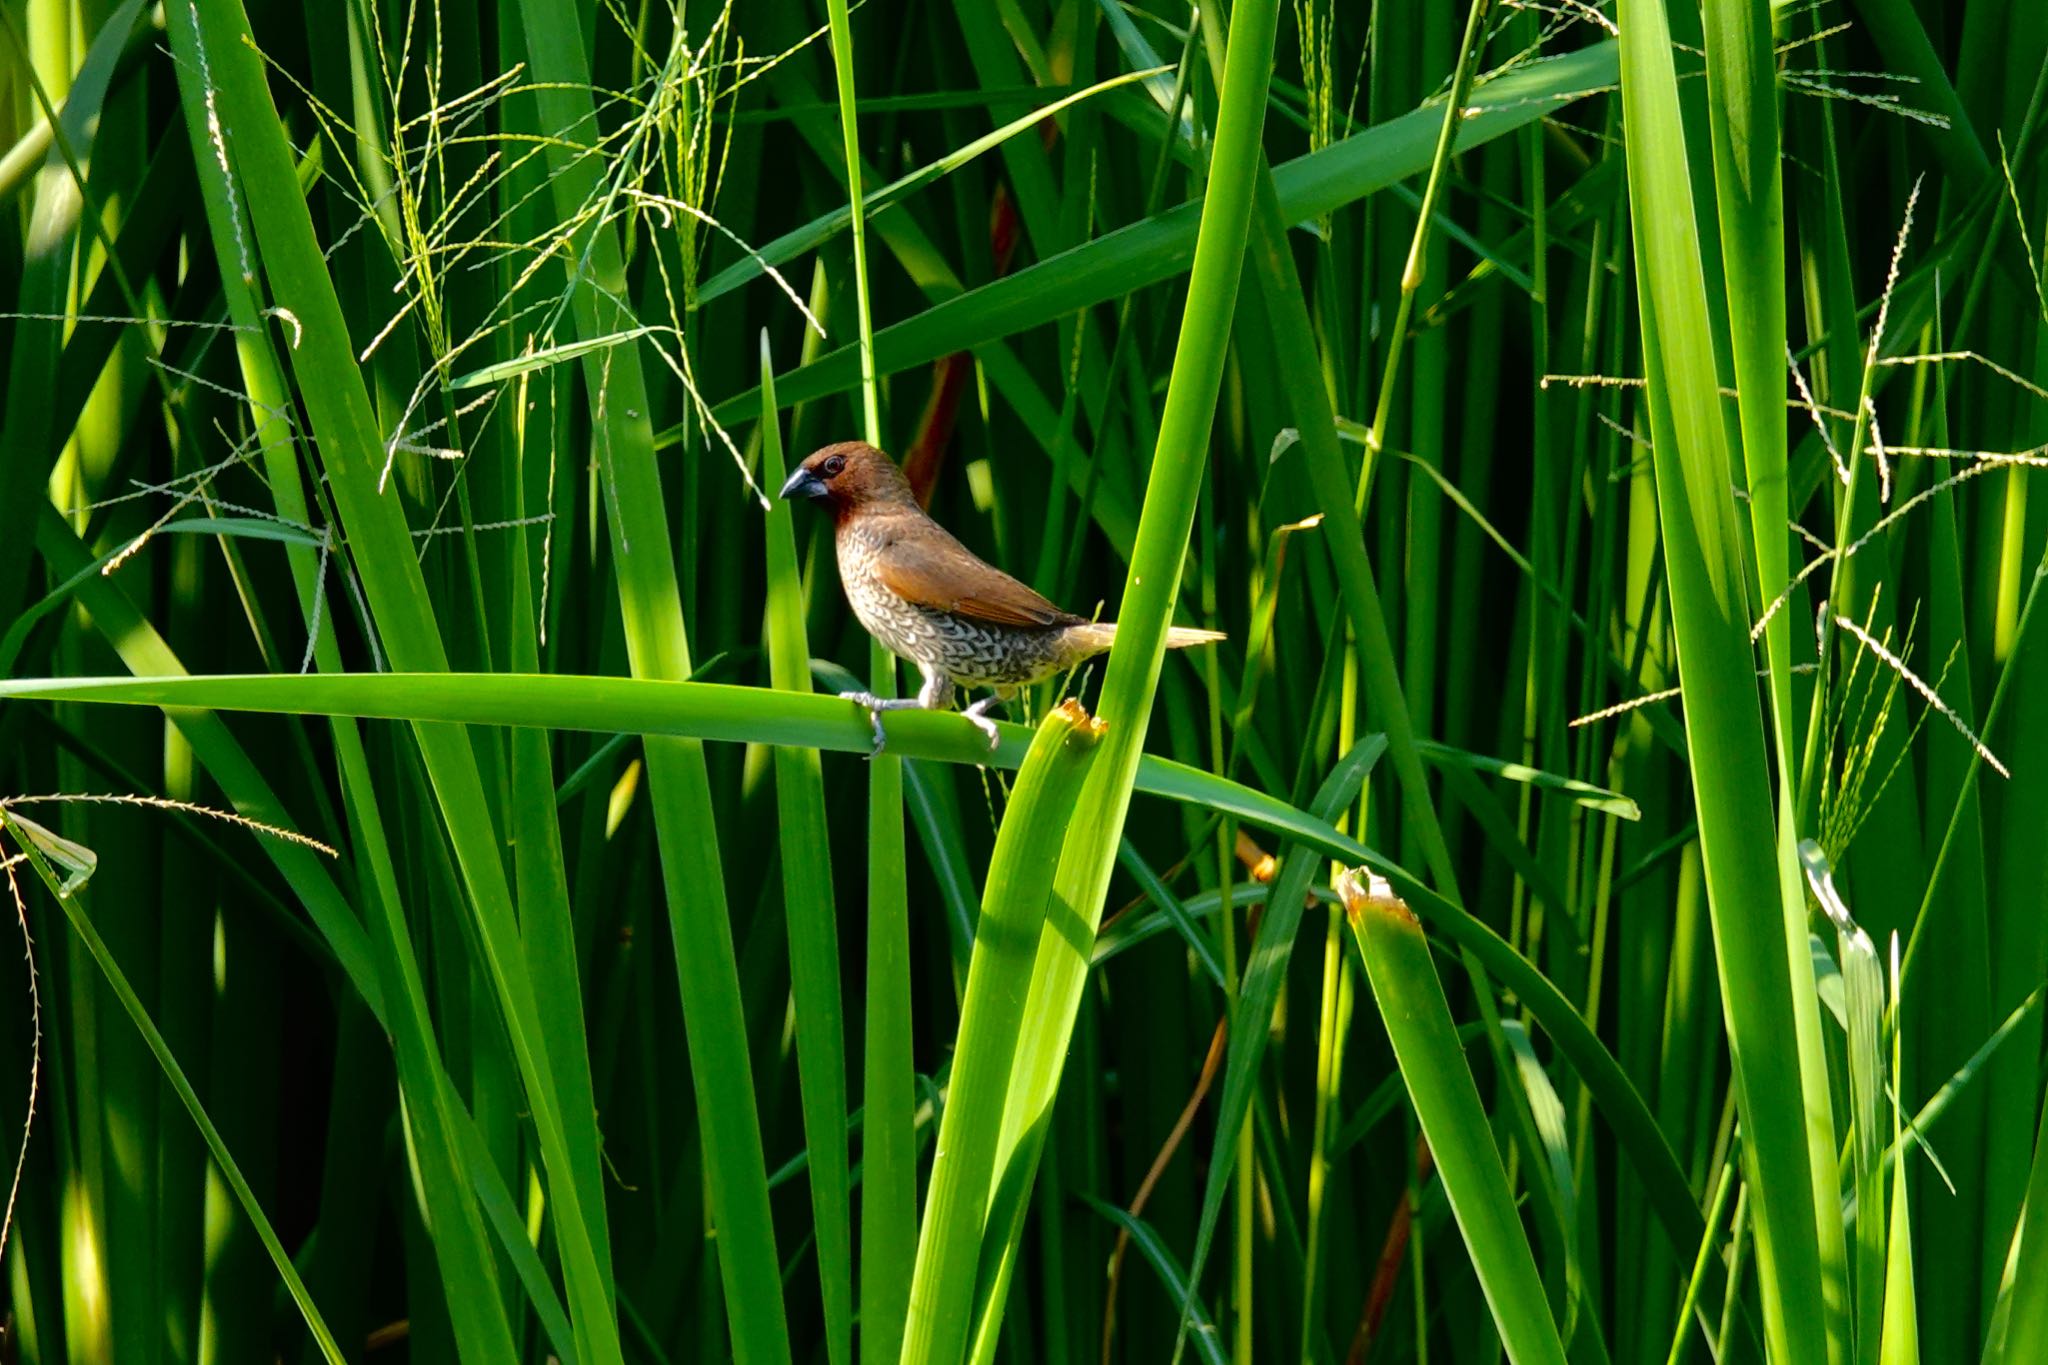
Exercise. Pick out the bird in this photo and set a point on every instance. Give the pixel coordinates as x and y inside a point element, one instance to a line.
<point>933,601</point>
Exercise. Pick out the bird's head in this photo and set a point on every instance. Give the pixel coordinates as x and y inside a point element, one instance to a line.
<point>848,477</point>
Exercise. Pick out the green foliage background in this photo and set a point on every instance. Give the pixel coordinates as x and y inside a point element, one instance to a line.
<point>1594,906</point>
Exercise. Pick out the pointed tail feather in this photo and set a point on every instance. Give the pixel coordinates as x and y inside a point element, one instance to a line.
<point>1096,636</point>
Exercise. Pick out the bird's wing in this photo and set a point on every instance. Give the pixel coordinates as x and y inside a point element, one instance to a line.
<point>934,570</point>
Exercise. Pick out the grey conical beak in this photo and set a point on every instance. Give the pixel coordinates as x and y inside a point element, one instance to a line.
<point>803,484</point>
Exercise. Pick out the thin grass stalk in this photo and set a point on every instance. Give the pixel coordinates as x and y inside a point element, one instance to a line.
<point>1553,542</point>
<point>1709,1245</point>
<point>547,923</point>
<point>1948,1248</point>
<point>1722,717</point>
<point>886,1236</point>
<point>826,226</point>
<point>842,66</point>
<point>1412,271</point>
<point>1235,1130</point>
<point>2015,864</point>
<point>1015,905</point>
<point>1258,992</point>
<point>1208,1341</point>
<point>2014,1171</point>
<point>1333,1024</point>
<point>1244,1189</point>
<point>1300,370</point>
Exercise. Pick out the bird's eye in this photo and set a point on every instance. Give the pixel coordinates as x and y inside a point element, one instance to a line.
<point>834,466</point>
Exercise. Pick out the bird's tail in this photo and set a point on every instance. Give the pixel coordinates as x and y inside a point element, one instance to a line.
<point>1096,636</point>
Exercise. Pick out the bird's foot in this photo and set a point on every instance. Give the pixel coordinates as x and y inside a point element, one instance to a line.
<point>875,706</point>
<point>978,715</point>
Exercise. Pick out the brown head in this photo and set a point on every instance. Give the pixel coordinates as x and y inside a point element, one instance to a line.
<point>850,477</point>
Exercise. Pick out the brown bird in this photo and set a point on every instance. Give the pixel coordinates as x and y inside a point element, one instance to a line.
<point>931,600</point>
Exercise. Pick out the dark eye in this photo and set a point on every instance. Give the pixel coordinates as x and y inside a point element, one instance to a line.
<point>834,465</point>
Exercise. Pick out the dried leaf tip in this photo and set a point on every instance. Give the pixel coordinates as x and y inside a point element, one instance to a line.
<point>1262,865</point>
<point>1086,728</point>
<point>1362,889</point>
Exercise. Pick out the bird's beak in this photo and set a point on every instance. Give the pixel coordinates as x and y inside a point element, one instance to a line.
<point>803,484</point>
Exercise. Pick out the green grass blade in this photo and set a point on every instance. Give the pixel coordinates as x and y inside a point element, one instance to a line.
<point>1425,1041</point>
<point>1901,1343</point>
<point>1016,902</point>
<point>2020,1327</point>
<point>65,890</point>
<point>929,794</point>
<point>1722,716</point>
<point>1589,795</point>
<point>52,230</point>
<point>1743,97</point>
<point>1863,1010</point>
<point>1709,1247</point>
<point>1208,1341</point>
<point>510,1230</point>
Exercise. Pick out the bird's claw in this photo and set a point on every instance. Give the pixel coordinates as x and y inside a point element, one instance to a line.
<point>977,715</point>
<point>874,706</point>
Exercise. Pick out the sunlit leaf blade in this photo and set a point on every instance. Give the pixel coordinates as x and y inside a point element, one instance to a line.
<point>1710,614</point>
<point>1015,904</point>
<point>1418,1021</point>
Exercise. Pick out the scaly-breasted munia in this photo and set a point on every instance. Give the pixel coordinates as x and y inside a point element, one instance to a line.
<point>931,600</point>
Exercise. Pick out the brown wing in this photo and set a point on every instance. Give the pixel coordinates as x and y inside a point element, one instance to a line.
<point>932,569</point>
